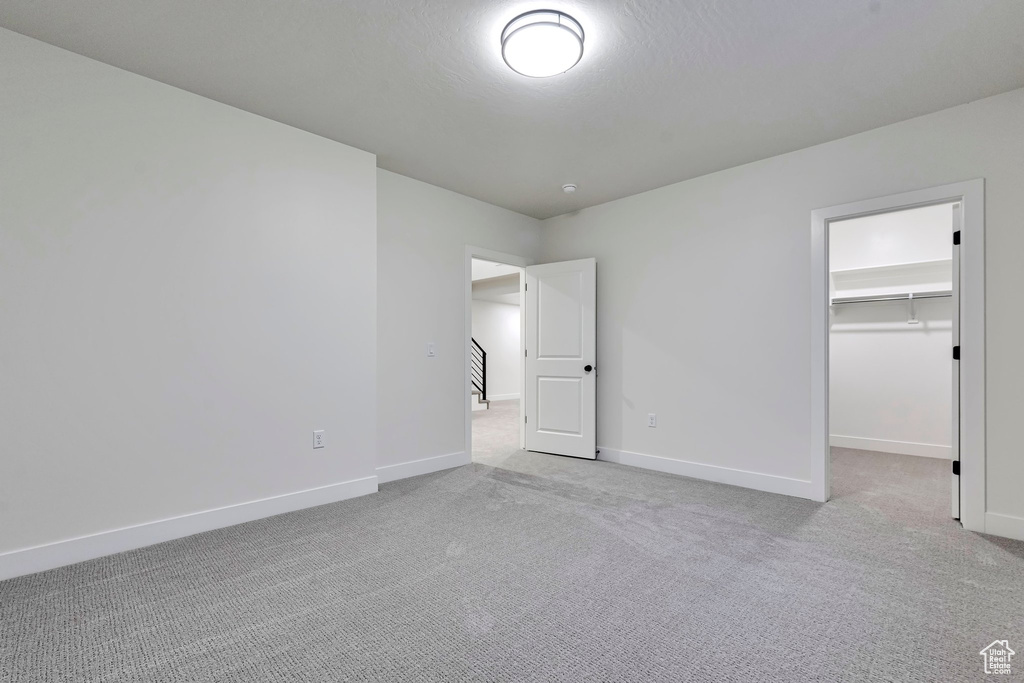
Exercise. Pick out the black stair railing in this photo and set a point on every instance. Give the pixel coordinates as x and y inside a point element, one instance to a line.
<point>478,368</point>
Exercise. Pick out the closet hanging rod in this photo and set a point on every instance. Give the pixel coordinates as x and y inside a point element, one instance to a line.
<point>891,297</point>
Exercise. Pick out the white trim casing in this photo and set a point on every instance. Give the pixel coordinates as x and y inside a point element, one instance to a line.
<point>926,450</point>
<point>60,553</point>
<point>722,475</point>
<point>415,468</point>
<point>972,335</point>
<point>503,397</point>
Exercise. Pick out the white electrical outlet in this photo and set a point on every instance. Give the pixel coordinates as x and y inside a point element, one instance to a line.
<point>318,439</point>
<point>431,351</point>
<point>652,420</point>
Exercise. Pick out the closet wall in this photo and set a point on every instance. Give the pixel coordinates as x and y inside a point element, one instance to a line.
<point>890,380</point>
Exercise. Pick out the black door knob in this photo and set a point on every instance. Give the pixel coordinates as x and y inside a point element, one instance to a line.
<point>587,368</point>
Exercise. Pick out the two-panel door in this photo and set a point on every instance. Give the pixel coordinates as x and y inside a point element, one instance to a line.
<point>560,350</point>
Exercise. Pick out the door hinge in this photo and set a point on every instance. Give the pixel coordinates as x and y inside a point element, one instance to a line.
<point>956,353</point>
<point>526,353</point>
<point>526,286</point>
<point>956,237</point>
<point>956,467</point>
<point>526,419</point>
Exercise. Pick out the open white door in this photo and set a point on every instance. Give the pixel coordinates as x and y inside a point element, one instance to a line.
<point>955,440</point>
<point>561,341</point>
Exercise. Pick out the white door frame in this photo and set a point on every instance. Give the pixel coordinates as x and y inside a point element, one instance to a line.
<point>509,260</point>
<point>971,194</point>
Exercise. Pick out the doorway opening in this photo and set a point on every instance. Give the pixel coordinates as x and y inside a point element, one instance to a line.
<point>897,348</point>
<point>555,370</point>
<point>892,378</point>
<point>495,353</point>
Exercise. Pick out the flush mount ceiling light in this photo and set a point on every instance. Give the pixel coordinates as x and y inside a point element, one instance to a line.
<point>542,43</point>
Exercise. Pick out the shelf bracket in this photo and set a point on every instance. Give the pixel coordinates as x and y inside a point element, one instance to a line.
<point>912,315</point>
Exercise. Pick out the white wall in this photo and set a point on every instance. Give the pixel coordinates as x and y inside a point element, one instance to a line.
<point>422,234</point>
<point>496,327</point>
<point>890,384</point>
<point>914,235</point>
<point>704,294</point>
<point>186,292</point>
<point>503,290</point>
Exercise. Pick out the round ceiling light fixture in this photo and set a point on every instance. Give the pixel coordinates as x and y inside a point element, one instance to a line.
<point>569,188</point>
<point>542,43</point>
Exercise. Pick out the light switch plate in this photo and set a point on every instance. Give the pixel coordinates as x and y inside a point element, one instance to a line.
<point>431,351</point>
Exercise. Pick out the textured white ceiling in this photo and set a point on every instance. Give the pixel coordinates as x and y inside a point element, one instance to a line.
<point>666,90</point>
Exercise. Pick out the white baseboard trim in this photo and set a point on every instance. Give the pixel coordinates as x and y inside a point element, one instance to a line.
<point>927,450</point>
<point>723,475</point>
<point>503,397</point>
<point>414,468</point>
<point>1004,525</point>
<point>60,553</point>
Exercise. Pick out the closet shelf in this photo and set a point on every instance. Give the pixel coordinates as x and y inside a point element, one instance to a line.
<point>892,282</point>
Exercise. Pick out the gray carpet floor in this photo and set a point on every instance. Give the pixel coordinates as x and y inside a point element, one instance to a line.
<point>527,567</point>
